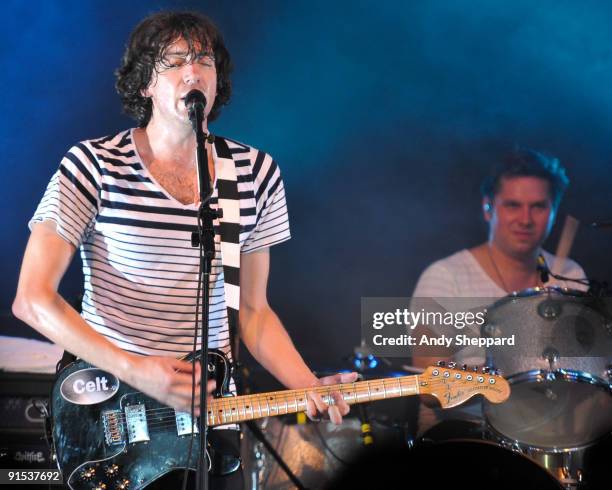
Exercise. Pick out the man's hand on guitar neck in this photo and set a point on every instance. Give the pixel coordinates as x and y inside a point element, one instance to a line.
<point>339,407</point>
<point>168,380</point>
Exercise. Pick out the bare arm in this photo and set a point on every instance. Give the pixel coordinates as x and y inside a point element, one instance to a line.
<point>267,340</point>
<point>39,304</point>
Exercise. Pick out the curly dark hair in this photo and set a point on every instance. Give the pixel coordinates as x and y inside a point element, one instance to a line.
<point>525,162</point>
<point>145,50</point>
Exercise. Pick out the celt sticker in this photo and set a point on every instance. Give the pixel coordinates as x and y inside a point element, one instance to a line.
<point>89,386</point>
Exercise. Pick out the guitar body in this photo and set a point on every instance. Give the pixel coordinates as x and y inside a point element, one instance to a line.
<point>106,434</point>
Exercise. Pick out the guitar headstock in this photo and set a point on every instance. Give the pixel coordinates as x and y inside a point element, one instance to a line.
<point>452,386</point>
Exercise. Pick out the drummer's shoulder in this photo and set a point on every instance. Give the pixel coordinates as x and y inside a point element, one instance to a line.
<point>570,268</point>
<point>439,277</point>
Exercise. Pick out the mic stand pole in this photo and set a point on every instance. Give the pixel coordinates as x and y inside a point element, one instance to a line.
<point>204,238</point>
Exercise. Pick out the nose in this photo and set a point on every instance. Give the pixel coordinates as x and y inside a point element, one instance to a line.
<point>190,74</point>
<point>526,218</point>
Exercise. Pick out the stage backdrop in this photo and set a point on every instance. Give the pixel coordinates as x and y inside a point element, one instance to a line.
<point>382,115</point>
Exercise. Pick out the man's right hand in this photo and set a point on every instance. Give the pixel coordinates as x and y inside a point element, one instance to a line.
<point>168,380</point>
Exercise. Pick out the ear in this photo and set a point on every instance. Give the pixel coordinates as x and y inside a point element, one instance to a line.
<point>487,208</point>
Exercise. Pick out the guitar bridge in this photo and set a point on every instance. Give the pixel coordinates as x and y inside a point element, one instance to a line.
<point>113,428</point>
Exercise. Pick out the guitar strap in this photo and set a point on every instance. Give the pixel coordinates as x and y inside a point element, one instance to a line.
<point>229,231</point>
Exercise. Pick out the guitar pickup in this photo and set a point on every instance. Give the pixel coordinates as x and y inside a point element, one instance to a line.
<point>183,424</point>
<point>113,428</point>
<point>136,421</point>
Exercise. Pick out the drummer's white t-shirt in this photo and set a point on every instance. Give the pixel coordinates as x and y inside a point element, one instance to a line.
<point>461,276</point>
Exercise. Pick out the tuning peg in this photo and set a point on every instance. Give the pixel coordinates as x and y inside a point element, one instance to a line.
<point>452,365</point>
<point>464,367</point>
<point>486,369</point>
<point>497,372</point>
<point>440,363</point>
<point>475,369</point>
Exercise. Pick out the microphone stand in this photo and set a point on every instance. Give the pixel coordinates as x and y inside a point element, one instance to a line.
<point>204,238</point>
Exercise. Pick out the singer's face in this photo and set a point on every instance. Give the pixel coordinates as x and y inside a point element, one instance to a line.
<point>521,215</point>
<point>176,75</point>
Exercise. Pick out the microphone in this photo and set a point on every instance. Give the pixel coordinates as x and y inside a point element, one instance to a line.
<point>195,98</point>
<point>195,103</point>
<point>543,269</point>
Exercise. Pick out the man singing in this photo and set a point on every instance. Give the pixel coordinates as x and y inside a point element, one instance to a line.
<point>129,203</point>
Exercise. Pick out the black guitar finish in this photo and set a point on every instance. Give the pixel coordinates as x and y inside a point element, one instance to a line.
<point>129,439</point>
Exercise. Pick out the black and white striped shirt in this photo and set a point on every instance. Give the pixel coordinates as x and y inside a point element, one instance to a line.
<point>139,266</point>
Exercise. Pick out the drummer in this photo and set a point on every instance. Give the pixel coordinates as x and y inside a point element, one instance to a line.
<point>520,199</point>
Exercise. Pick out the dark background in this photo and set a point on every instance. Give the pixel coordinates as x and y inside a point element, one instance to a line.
<point>383,116</point>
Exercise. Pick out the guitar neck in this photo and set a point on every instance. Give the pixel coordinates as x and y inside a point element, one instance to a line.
<point>249,407</point>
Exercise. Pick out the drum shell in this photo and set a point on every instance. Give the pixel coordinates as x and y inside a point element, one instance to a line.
<point>555,329</point>
<point>560,398</point>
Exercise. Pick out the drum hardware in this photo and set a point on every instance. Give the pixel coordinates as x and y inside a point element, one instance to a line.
<point>551,355</point>
<point>490,330</point>
<point>566,467</point>
<point>549,310</point>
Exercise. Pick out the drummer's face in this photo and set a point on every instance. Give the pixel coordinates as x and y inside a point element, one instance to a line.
<point>521,215</point>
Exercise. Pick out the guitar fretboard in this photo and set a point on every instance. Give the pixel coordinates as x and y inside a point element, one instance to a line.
<point>248,407</point>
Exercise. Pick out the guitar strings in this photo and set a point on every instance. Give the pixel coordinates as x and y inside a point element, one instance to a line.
<point>231,408</point>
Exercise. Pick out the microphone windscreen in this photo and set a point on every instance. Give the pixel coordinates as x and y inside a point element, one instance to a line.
<point>195,96</point>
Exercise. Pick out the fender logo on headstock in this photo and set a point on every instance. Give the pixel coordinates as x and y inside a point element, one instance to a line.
<point>453,386</point>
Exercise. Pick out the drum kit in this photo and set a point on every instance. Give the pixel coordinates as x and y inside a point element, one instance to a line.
<point>555,430</point>
<point>559,414</point>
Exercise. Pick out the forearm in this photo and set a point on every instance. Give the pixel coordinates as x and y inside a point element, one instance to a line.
<point>48,313</point>
<point>267,340</point>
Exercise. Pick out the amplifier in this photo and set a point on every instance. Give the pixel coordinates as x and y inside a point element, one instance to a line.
<point>22,430</point>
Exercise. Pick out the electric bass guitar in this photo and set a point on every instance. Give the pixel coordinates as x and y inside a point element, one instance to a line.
<point>106,435</point>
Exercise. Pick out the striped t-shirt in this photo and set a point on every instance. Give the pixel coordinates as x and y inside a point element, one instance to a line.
<point>140,270</point>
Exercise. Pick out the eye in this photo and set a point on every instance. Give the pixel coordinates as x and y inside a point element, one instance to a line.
<point>172,62</point>
<point>206,60</point>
